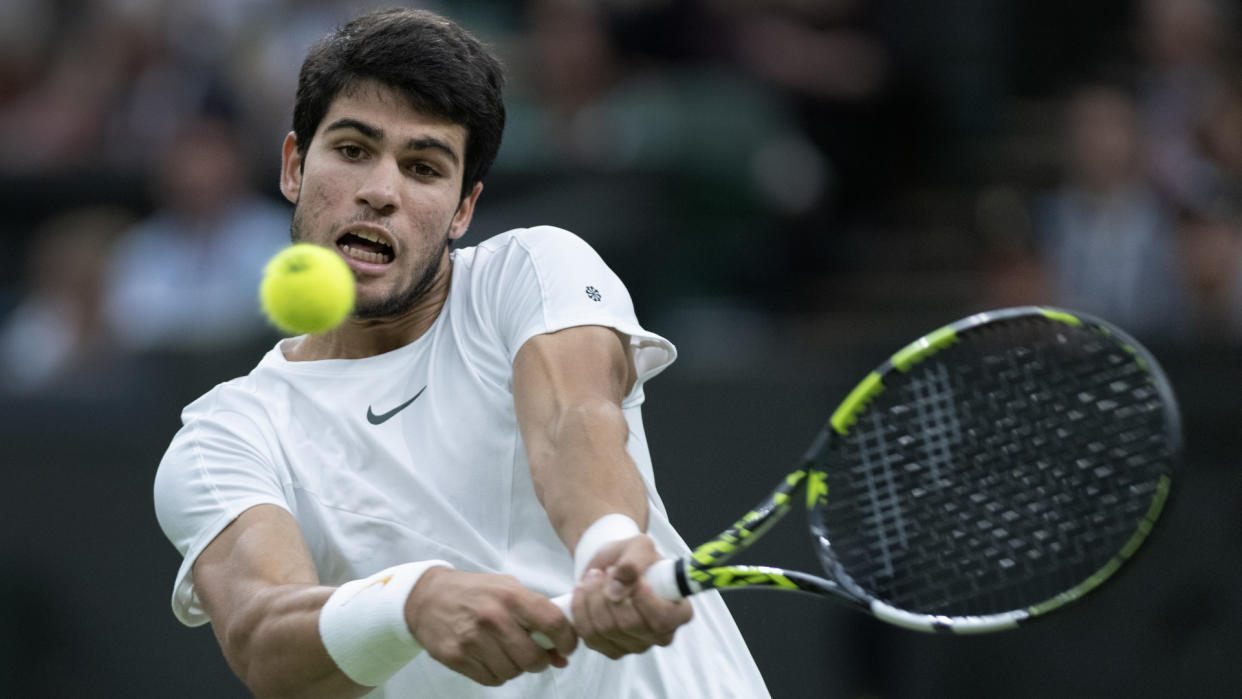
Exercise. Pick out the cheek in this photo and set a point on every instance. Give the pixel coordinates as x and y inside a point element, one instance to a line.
<point>318,193</point>
<point>319,176</point>
<point>310,210</point>
<point>431,213</point>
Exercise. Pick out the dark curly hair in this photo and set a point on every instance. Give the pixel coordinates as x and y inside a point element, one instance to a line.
<point>440,68</point>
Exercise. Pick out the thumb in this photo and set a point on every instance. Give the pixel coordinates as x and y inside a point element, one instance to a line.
<point>623,577</point>
<point>621,582</point>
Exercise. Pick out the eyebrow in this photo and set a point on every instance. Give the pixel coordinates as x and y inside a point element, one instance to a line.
<point>429,143</point>
<point>377,134</point>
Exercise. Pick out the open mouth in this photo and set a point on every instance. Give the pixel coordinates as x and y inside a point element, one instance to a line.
<point>365,246</point>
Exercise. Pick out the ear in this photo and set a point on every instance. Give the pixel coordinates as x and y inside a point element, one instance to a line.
<point>465,211</point>
<point>290,169</point>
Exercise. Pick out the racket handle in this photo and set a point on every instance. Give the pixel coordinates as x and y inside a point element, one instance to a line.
<point>661,576</point>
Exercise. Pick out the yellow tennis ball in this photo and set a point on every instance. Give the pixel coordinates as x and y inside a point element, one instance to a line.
<point>307,289</point>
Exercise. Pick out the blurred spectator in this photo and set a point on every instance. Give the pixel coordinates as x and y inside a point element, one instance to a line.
<point>266,45</point>
<point>1212,220</point>
<point>1014,272</point>
<point>819,56</point>
<point>25,36</point>
<point>111,87</point>
<point>862,131</point>
<point>811,48</point>
<point>62,113</point>
<point>1106,235</point>
<point>57,333</point>
<point>187,277</point>
<point>1186,49</point>
<point>1212,249</point>
<point>710,160</point>
<point>582,101</point>
<point>1219,131</point>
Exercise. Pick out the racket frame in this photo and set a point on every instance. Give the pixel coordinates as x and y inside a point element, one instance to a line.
<point>706,567</point>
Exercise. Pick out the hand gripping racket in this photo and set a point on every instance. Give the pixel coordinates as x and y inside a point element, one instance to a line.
<point>990,472</point>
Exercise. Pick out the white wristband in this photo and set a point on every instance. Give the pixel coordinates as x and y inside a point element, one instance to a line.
<point>363,627</point>
<point>602,532</point>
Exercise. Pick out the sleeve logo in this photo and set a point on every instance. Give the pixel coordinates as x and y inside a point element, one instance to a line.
<point>593,294</point>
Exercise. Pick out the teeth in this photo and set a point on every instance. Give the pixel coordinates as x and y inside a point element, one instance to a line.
<point>366,255</point>
<point>373,237</point>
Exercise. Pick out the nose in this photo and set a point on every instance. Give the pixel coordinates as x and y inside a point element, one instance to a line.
<point>379,187</point>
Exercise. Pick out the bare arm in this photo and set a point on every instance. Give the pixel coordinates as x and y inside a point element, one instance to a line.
<point>568,388</point>
<point>259,586</point>
<point>258,583</point>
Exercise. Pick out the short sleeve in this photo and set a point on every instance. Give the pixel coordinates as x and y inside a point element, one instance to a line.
<point>214,470</point>
<point>551,280</point>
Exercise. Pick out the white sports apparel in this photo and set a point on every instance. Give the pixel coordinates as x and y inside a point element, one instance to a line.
<point>415,454</point>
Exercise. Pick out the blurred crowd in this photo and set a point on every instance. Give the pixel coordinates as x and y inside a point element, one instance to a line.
<point>1143,223</point>
<point>745,154</point>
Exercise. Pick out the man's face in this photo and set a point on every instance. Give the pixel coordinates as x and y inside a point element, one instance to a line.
<point>381,183</point>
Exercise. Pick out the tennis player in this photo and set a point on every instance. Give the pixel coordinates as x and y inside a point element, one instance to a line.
<point>466,445</point>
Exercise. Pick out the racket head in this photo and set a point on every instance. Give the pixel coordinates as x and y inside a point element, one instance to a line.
<point>994,470</point>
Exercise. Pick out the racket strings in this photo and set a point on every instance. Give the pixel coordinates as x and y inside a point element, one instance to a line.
<point>995,478</point>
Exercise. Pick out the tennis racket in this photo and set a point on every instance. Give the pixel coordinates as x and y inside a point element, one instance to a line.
<point>990,472</point>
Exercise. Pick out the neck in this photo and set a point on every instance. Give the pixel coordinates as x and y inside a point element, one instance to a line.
<point>357,338</point>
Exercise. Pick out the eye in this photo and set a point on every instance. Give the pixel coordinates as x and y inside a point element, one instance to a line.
<point>424,170</point>
<point>350,151</point>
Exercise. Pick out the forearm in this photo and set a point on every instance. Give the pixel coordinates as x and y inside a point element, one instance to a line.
<point>286,635</point>
<point>589,480</point>
<point>274,646</point>
<point>569,388</point>
<point>582,471</point>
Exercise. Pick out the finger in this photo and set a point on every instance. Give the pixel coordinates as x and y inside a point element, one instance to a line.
<point>589,627</point>
<point>474,669</point>
<point>662,616</point>
<point>607,554</point>
<point>632,567</point>
<point>517,644</point>
<point>540,614</point>
<point>628,620</point>
<point>622,579</point>
<point>634,554</point>
<point>465,657</point>
<point>507,630</point>
<point>495,656</point>
<point>527,654</point>
<point>615,621</point>
<point>557,660</point>
<point>631,562</point>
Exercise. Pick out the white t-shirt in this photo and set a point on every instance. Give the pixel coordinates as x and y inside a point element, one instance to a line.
<point>415,454</point>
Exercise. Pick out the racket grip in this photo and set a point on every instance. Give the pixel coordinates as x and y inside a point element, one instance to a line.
<point>661,576</point>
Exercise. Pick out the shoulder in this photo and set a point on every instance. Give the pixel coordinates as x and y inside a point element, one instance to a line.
<point>546,251</point>
<point>233,396</point>
<point>534,240</point>
<point>240,401</point>
<point>537,253</point>
<point>545,257</point>
<point>229,418</point>
<point>225,442</point>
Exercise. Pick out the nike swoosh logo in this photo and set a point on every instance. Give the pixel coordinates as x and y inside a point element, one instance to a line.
<point>381,582</point>
<point>384,417</point>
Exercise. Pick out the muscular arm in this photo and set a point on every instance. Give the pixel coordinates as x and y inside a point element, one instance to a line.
<point>568,388</point>
<point>258,583</point>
